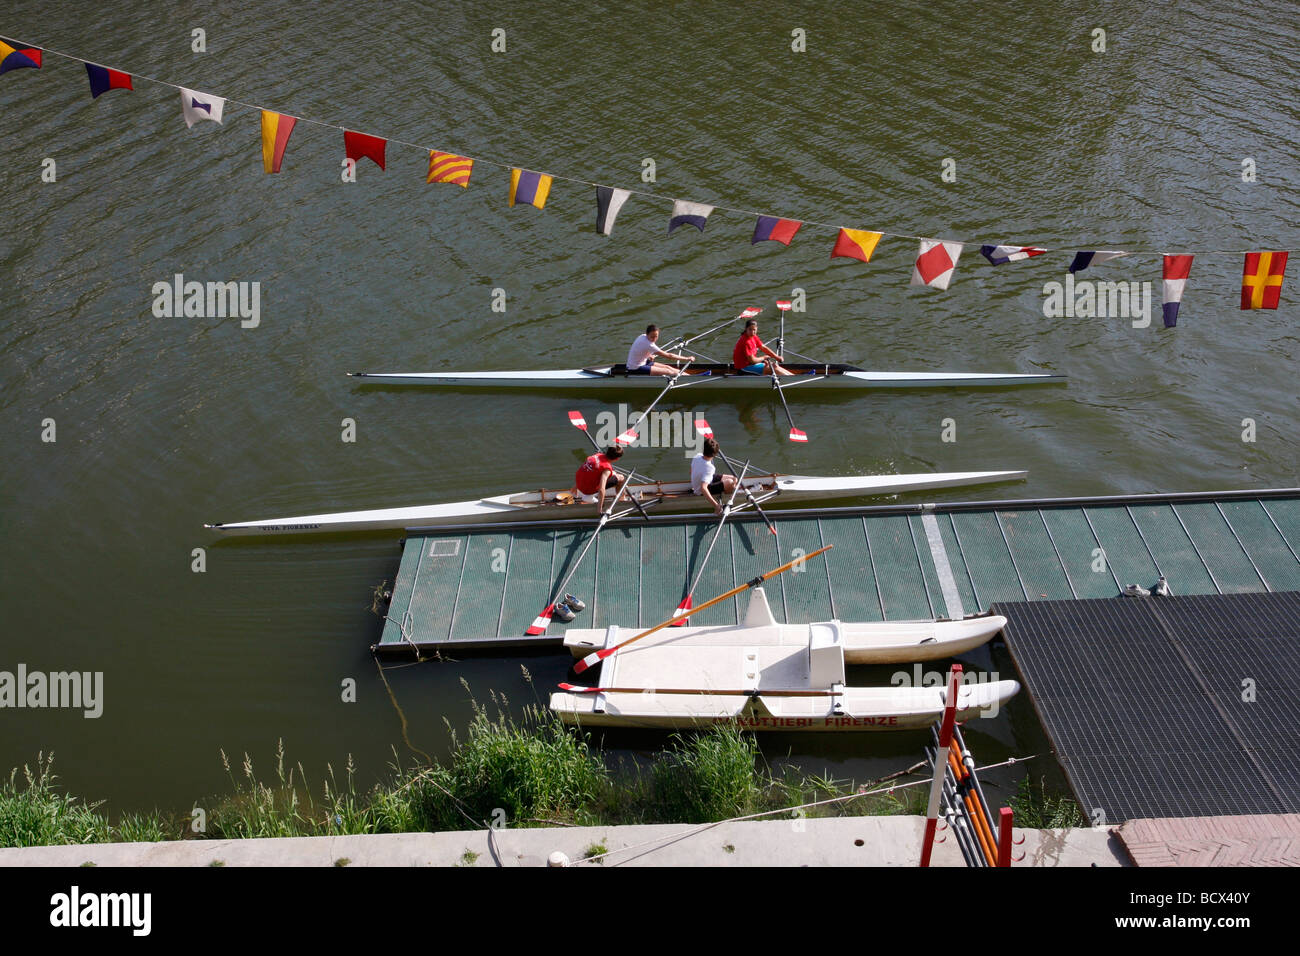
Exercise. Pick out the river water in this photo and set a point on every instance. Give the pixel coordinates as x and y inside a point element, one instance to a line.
<point>165,423</point>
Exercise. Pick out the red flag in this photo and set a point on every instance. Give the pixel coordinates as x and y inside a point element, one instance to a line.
<point>1261,280</point>
<point>360,145</point>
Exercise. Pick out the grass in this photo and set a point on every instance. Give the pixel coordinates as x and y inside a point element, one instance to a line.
<point>1036,809</point>
<point>530,771</point>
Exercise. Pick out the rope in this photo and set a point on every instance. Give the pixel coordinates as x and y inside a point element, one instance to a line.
<point>584,182</point>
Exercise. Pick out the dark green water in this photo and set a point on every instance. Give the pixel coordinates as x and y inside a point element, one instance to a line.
<point>166,423</point>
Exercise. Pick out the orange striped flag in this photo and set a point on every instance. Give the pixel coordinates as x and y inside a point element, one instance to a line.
<point>1261,280</point>
<point>449,168</point>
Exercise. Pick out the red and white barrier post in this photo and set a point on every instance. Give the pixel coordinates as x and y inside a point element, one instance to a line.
<point>941,762</point>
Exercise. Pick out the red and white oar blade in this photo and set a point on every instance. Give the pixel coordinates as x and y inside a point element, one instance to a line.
<point>797,434</point>
<point>578,689</point>
<point>752,311</point>
<point>684,606</point>
<point>540,622</point>
<point>576,419</point>
<point>783,304</point>
<point>703,428</point>
<point>627,438</point>
<point>591,660</point>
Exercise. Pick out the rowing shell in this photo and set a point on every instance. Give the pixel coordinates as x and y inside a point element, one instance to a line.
<point>617,377</point>
<point>669,497</point>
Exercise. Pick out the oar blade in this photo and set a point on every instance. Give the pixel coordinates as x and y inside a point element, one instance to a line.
<point>577,688</point>
<point>684,606</point>
<point>627,437</point>
<point>539,623</point>
<point>798,434</point>
<point>576,419</point>
<point>703,428</point>
<point>591,660</point>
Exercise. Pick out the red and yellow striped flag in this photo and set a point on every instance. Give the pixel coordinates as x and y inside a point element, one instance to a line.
<point>1261,280</point>
<point>276,128</point>
<point>449,168</point>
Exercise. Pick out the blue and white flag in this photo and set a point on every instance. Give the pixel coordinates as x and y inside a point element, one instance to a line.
<point>1084,259</point>
<point>689,214</point>
<point>201,106</point>
<point>608,202</point>
<point>1000,255</point>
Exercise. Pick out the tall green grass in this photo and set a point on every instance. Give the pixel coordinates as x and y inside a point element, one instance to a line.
<point>529,771</point>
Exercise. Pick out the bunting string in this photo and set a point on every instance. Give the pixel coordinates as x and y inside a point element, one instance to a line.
<point>934,265</point>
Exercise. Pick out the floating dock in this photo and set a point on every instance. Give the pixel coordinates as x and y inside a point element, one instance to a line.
<point>1162,707</point>
<point>480,587</point>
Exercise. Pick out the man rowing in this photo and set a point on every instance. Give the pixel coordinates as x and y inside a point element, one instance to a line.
<point>597,476</point>
<point>752,357</point>
<point>704,478</point>
<point>641,357</point>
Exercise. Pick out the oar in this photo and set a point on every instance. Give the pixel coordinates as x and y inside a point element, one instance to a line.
<point>748,313</point>
<point>597,656</point>
<point>784,306</point>
<point>702,426</point>
<point>542,620</point>
<point>752,692</point>
<point>580,423</point>
<point>629,436</point>
<point>699,571</point>
<point>796,434</point>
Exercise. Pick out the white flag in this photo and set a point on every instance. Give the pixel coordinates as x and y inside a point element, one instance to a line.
<point>200,106</point>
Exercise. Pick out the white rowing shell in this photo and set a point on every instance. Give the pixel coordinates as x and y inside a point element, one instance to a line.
<point>545,504</point>
<point>600,378</point>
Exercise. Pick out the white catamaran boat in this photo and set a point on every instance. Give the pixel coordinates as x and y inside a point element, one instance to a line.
<point>616,377</point>
<point>766,676</point>
<point>667,497</point>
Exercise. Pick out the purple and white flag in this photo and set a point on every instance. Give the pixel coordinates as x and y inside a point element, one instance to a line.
<point>1084,259</point>
<point>689,214</point>
<point>201,106</point>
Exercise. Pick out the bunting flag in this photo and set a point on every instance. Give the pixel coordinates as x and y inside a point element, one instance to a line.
<point>449,168</point>
<point>608,202</point>
<point>529,187</point>
<point>17,57</point>
<point>1001,255</point>
<point>777,230</point>
<point>1261,280</point>
<point>276,129</point>
<point>358,146</point>
<point>197,106</point>
<point>1084,259</point>
<point>1177,269</point>
<point>855,244</point>
<point>935,263</point>
<point>102,79</point>
<point>689,214</point>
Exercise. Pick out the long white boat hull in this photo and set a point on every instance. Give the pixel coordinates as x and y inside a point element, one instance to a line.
<point>673,497</point>
<point>874,642</point>
<point>856,709</point>
<point>605,377</point>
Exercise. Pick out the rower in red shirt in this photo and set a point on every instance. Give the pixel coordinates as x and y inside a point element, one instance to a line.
<point>745,356</point>
<point>596,475</point>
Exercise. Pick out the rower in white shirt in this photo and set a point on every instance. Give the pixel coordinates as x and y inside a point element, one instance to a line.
<point>641,357</point>
<point>704,479</point>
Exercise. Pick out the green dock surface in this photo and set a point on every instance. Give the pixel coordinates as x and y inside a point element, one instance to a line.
<point>482,586</point>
